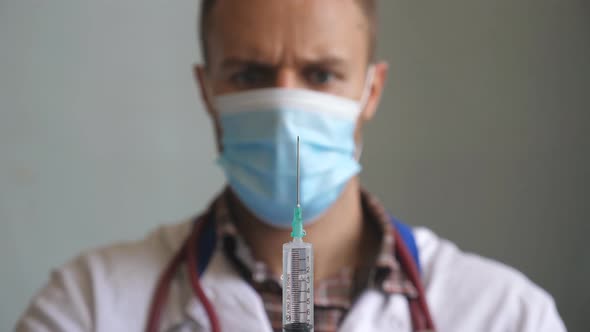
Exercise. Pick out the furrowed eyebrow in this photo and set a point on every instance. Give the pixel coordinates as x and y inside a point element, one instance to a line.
<point>327,62</point>
<point>330,61</point>
<point>240,62</point>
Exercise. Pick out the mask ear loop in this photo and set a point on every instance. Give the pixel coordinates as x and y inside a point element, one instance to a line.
<point>367,86</point>
<point>363,103</point>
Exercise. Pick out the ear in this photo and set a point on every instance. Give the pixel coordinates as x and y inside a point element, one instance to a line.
<point>201,78</point>
<point>375,91</point>
<point>200,75</point>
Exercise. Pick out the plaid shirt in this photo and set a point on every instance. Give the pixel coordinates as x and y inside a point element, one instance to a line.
<point>333,297</point>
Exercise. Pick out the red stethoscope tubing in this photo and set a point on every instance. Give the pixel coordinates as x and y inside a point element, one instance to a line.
<point>421,318</point>
<point>420,315</point>
<point>187,252</point>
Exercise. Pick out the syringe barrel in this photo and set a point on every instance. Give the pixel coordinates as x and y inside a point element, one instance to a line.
<point>297,286</point>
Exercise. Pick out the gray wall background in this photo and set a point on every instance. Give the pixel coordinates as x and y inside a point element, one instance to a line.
<point>482,134</point>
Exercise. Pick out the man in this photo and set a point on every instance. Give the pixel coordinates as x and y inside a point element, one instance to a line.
<point>276,70</point>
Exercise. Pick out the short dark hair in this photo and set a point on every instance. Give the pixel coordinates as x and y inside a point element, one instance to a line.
<point>369,7</point>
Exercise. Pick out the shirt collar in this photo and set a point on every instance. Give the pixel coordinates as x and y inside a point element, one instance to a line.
<point>386,275</point>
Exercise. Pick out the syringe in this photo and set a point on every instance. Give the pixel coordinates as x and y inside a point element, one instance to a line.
<point>297,275</point>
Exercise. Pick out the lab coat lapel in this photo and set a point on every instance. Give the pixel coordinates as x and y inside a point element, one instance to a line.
<point>174,316</point>
<point>238,306</point>
<point>375,311</point>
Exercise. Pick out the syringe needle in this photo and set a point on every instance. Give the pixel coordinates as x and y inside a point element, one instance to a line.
<point>298,171</point>
<point>297,222</point>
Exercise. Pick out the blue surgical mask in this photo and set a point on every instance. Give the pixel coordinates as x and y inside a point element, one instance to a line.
<point>259,139</point>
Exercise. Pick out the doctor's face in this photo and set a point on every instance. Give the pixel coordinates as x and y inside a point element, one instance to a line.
<point>321,45</point>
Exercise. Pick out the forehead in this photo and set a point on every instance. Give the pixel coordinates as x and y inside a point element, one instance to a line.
<point>288,29</point>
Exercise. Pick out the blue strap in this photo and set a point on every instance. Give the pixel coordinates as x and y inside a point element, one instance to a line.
<point>206,245</point>
<point>407,236</point>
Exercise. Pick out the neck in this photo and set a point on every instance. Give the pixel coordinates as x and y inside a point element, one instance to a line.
<point>337,236</point>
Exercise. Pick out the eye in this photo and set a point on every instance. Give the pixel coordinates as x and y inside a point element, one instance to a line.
<point>319,76</point>
<point>252,76</point>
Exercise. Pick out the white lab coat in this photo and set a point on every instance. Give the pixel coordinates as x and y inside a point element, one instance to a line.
<point>110,289</point>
